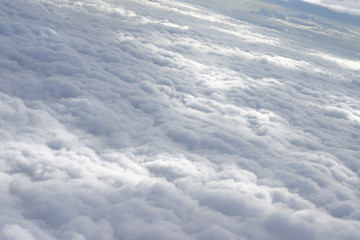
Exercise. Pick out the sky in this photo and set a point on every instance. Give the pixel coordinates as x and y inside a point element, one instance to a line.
<point>142,120</point>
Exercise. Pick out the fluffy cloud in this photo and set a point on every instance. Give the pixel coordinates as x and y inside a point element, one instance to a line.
<point>163,120</point>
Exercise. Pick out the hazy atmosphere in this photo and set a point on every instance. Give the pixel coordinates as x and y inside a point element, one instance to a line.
<point>179,120</point>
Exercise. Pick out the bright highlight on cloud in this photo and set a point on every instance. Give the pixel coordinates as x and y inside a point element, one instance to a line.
<point>346,6</point>
<point>163,120</point>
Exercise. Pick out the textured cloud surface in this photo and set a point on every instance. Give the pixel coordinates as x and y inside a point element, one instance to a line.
<point>163,120</point>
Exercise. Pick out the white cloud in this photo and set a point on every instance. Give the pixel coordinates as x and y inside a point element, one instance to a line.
<point>347,6</point>
<point>15,232</point>
<point>349,64</point>
<point>162,120</point>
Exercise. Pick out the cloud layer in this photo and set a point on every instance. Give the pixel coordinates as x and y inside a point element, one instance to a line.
<point>348,6</point>
<point>163,120</point>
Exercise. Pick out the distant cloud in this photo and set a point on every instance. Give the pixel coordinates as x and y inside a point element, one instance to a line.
<point>347,6</point>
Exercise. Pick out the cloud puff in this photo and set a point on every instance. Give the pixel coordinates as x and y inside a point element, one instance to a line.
<point>165,120</point>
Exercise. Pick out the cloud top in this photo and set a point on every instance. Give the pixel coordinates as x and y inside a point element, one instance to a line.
<point>164,120</point>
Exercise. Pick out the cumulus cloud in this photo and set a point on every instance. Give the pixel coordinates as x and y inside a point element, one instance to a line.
<point>164,120</point>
